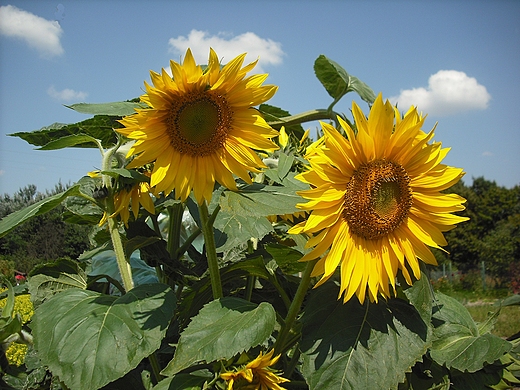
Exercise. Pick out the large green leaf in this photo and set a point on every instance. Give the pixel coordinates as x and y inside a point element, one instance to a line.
<point>243,213</point>
<point>222,329</point>
<point>338,82</point>
<point>49,279</point>
<point>234,229</point>
<point>89,339</point>
<point>458,342</point>
<point>420,295</point>
<point>69,141</point>
<point>354,346</point>
<point>99,127</point>
<point>11,221</point>
<point>112,109</point>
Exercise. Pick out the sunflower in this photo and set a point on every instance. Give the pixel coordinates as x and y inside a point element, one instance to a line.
<point>134,197</point>
<point>200,126</point>
<point>256,375</point>
<point>375,201</point>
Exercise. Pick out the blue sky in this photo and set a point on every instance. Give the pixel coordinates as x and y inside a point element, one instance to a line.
<point>458,61</point>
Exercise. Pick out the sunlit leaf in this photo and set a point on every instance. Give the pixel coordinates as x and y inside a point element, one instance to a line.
<point>458,342</point>
<point>11,221</point>
<point>111,109</point>
<point>338,82</point>
<point>222,329</point>
<point>89,339</point>
<point>99,127</point>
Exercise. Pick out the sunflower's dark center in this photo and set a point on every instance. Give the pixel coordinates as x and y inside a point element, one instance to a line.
<point>199,122</point>
<point>377,199</point>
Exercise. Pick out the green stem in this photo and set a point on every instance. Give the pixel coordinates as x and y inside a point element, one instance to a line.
<point>307,116</point>
<point>123,264</point>
<point>211,251</point>
<point>156,368</point>
<point>294,309</point>
<point>174,228</point>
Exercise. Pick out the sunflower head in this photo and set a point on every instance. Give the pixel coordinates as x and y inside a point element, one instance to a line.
<point>375,200</point>
<point>200,126</point>
<point>256,375</point>
<point>131,197</point>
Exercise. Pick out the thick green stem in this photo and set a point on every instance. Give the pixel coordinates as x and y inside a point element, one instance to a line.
<point>211,251</point>
<point>174,229</point>
<point>123,264</point>
<point>294,309</point>
<point>156,368</point>
<point>308,116</point>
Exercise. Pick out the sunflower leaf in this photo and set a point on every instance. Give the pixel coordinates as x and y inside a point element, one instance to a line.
<point>458,343</point>
<point>69,141</point>
<point>89,339</point>
<point>338,82</point>
<point>11,221</point>
<point>99,127</point>
<point>111,109</point>
<point>222,329</point>
<point>354,346</point>
<point>243,213</point>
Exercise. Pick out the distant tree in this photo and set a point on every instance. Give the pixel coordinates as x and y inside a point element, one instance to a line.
<point>492,233</point>
<point>42,238</point>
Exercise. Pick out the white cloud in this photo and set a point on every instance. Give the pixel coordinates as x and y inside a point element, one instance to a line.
<point>66,94</point>
<point>2,172</point>
<point>449,92</point>
<point>487,154</point>
<point>267,51</point>
<point>39,33</point>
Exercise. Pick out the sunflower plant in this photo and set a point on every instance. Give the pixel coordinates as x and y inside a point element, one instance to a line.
<point>231,250</point>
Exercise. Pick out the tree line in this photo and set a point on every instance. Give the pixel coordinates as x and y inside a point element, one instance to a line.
<point>41,239</point>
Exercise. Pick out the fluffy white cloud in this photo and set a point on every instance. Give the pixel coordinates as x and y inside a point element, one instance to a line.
<point>267,51</point>
<point>449,92</point>
<point>39,33</point>
<point>66,95</point>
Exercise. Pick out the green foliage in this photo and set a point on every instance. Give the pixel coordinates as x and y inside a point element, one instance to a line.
<point>89,339</point>
<point>492,232</point>
<point>338,82</point>
<point>140,310</point>
<point>99,127</point>
<point>353,346</point>
<point>222,329</point>
<point>459,342</point>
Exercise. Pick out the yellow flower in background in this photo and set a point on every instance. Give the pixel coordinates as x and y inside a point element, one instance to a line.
<point>375,200</point>
<point>201,127</point>
<point>137,195</point>
<point>283,139</point>
<point>16,352</point>
<point>256,375</point>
